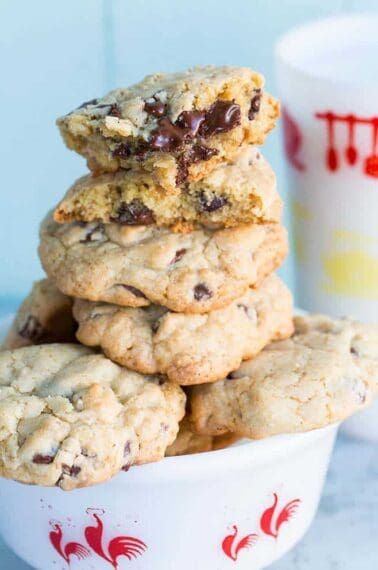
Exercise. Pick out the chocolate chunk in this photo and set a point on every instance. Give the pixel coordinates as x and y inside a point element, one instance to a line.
<point>251,313</point>
<point>87,103</point>
<point>122,151</point>
<point>231,376</point>
<point>135,291</point>
<point>72,471</point>
<point>178,255</point>
<point>353,350</point>
<point>115,111</point>
<point>255,104</point>
<point>221,117</point>
<point>32,329</point>
<point>134,213</point>
<point>126,454</point>
<point>199,152</point>
<point>191,120</point>
<point>210,203</point>
<point>155,108</point>
<point>42,459</point>
<point>182,170</point>
<point>168,137</point>
<point>201,292</point>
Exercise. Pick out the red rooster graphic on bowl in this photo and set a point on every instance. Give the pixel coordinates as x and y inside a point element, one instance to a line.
<point>70,549</point>
<point>270,523</point>
<point>231,546</point>
<point>127,546</point>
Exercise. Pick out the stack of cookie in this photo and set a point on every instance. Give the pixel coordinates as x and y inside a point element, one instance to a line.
<point>163,257</point>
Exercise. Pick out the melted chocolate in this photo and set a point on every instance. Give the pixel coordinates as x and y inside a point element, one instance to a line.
<point>255,104</point>
<point>134,213</point>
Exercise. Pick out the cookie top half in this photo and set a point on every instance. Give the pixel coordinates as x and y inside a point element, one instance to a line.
<point>178,126</point>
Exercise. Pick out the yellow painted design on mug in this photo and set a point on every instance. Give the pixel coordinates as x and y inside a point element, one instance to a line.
<point>350,269</point>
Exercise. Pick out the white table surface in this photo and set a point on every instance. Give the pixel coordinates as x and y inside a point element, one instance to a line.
<point>344,535</point>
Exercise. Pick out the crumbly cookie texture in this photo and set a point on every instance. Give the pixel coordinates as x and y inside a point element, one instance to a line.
<point>293,385</point>
<point>188,442</point>
<point>45,316</point>
<point>176,126</point>
<point>241,191</point>
<point>72,418</point>
<point>134,266</point>
<point>188,348</point>
<point>342,335</point>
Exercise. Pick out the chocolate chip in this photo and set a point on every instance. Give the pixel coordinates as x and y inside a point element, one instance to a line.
<point>126,454</point>
<point>201,292</point>
<point>178,255</point>
<point>210,204</point>
<point>115,111</point>
<point>122,151</point>
<point>168,137</point>
<point>251,313</point>
<point>199,152</point>
<point>182,171</point>
<point>133,213</point>
<point>231,376</point>
<point>221,117</point>
<point>255,104</point>
<point>353,350</point>
<point>155,108</point>
<point>72,471</point>
<point>87,103</point>
<point>191,120</point>
<point>42,459</point>
<point>134,291</point>
<point>32,329</point>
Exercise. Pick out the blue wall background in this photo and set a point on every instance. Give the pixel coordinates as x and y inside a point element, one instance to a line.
<point>54,55</point>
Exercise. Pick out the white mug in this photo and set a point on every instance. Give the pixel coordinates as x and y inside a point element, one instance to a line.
<point>328,83</point>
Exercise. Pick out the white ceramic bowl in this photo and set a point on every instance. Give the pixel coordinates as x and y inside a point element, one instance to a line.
<point>249,503</point>
<point>246,505</point>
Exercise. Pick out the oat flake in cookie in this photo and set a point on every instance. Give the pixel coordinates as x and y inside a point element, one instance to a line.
<point>72,418</point>
<point>240,191</point>
<point>177,126</point>
<point>294,385</point>
<point>188,348</point>
<point>135,266</point>
<point>45,316</point>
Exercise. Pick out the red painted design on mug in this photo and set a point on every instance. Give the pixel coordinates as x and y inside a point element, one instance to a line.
<point>292,140</point>
<point>127,546</point>
<point>271,523</point>
<point>333,155</point>
<point>231,546</point>
<point>70,549</point>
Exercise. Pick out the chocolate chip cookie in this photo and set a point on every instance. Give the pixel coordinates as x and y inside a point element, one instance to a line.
<point>294,385</point>
<point>188,348</point>
<point>188,442</point>
<point>72,418</point>
<point>135,266</point>
<point>177,126</point>
<point>45,316</point>
<point>241,191</point>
